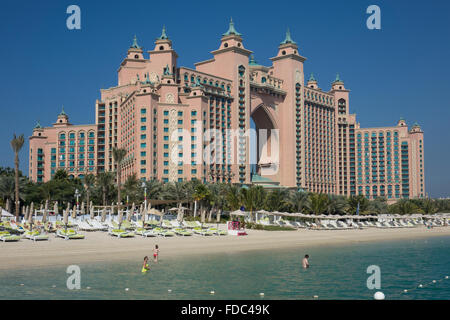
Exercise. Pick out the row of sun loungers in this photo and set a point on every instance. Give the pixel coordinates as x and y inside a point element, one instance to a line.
<point>341,225</point>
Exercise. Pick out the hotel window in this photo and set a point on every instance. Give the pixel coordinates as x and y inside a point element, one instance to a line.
<point>143,128</point>
<point>143,136</point>
<point>143,111</point>
<point>166,121</point>
<point>144,119</point>
<point>166,113</point>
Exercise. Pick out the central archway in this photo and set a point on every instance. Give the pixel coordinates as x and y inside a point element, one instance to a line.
<point>264,148</point>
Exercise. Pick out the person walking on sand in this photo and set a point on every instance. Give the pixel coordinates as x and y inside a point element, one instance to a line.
<point>155,253</point>
<point>145,266</point>
<point>305,262</point>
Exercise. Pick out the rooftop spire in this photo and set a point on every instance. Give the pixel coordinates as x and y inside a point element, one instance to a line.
<point>232,30</point>
<point>163,34</point>
<point>288,38</point>
<point>311,77</point>
<point>252,61</point>
<point>38,125</point>
<point>62,112</point>
<point>135,44</point>
<point>338,78</point>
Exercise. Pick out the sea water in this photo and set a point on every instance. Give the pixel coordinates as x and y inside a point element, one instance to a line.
<point>336,272</point>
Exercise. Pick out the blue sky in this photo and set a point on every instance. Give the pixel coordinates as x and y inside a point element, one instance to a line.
<point>402,70</point>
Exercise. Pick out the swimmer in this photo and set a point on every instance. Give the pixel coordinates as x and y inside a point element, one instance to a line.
<point>155,253</point>
<point>305,262</point>
<point>145,266</point>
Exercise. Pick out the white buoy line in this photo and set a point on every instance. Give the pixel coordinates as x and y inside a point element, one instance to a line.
<point>423,285</point>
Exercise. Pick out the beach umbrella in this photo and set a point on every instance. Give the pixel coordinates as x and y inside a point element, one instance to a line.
<point>129,213</point>
<point>218,215</point>
<point>104,215</point>
<point>202,217</point>
<point>83,211</point>
<point>56,209</point>
<point>25,216</point>
<point>8,205</point>
<point>238,213</point>
<point>155,212</point>
<point>30,216</point>
<point>74,212</point>
<point>120,217</point>
<point>66,218</point>
<point>91,212</point>
<point>143,213</point>
<point>5,213</point>
<point>31,211</point>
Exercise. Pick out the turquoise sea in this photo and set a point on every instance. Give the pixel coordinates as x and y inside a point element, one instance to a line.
<point>337,272</point>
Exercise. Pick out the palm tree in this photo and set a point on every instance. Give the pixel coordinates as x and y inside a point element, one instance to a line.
<point>252,199</point>
<point>201,194</point>
<point>88,183</point>
<point>319,203</point>
<point>428,206</point>
<point>336,204</point>
<point>277,200</point>
<point>353,204</point>
<point>104,181</point>
<point>17,144</point>
<point>233,197</point>
<point>299,201</point>
<point>378,206</point>
<point>118,156</point>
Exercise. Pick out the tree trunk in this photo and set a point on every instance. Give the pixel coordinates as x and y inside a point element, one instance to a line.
<point>88,205</point>
<point>16,175</point>
<point>119,200</point>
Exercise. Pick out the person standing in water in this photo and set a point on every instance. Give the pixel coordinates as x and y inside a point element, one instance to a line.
<point>155,253</point>
<point>145,266</point>
<point>305,262</point>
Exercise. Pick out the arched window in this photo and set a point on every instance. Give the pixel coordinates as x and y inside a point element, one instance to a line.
<point>342,106</point>
<point>241,70</point>
<point>263,80</point>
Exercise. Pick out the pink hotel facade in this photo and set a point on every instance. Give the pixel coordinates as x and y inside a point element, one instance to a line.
<point>156,105</point>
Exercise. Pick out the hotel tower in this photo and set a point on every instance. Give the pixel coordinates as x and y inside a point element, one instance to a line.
<point>178,123</point>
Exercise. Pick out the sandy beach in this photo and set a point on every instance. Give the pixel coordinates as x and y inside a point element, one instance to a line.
<point>99,246</point>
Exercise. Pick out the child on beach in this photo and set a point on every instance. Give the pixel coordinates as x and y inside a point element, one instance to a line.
<point>155,253</point>
<point>145,266</point>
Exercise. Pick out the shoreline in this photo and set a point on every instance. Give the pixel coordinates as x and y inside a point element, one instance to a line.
<point>101,247</point>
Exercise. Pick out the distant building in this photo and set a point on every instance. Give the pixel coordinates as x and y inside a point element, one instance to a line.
<point>159,111</point>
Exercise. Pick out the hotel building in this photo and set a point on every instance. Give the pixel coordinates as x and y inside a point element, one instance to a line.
<point>160,111</point>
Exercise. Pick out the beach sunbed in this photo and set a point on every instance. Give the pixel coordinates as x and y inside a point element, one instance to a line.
<point>97,225</point>
<point>84,226</point>
<point>182,232</point>
<point>218,231</point>
<point>120,233</point>
<point>5,236</point>
<point>35,235</point>
<point>202,232</point>
<point>69,234</point>
<point>164,233</point>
